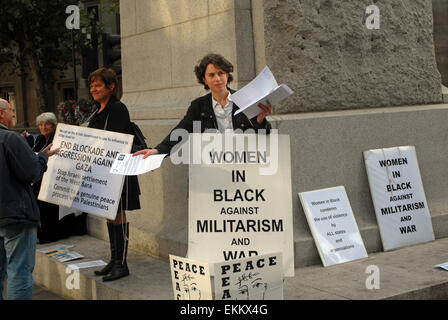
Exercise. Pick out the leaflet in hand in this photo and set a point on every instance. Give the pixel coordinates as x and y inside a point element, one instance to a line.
<point>127,165</point>
<point>263,87</point>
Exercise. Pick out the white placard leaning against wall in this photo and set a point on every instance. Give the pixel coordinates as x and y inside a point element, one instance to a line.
<point>398,196</point>
<point>333,225</point>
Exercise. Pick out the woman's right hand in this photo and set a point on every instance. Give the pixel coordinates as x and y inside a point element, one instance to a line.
<point>146,153</point>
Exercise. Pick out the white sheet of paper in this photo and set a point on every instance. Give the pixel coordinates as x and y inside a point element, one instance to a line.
<point>263,87</point>
<point>127,165</point>
<point>88,264</point>
<point>444,266</point>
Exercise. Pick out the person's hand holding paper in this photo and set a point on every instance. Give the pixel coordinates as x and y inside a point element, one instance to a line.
<point>257,97</point>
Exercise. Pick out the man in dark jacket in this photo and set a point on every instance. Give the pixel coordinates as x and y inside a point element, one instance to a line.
<point>19,213</point>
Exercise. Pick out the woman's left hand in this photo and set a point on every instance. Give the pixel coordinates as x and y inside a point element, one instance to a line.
<point>266,110</point>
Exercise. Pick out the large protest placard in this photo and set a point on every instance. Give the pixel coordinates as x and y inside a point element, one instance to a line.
<point>254,278</point>
<point>78,176</point>
<point>398,196</point>
<point>333,225</point>
<point>191,279</point>
<point>240,201</point>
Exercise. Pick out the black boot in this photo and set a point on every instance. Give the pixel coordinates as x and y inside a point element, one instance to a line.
<point>120,267</point>
<point>108,267</point>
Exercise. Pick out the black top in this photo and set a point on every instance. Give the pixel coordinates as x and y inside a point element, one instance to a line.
<point>117,115</point>
<point>41,143</point>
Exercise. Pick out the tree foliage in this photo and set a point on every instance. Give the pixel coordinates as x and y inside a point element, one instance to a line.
<point>36,43</point>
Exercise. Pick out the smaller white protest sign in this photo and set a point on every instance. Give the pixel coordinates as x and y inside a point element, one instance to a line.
<point>333,225</point>
<point>398,196</point>
<point>126,164</point>
<point>254,278</point>
<point>191,279</point>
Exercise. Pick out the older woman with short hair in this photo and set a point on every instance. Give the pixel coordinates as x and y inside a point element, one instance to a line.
<point>47,123</point>
<point>48,230</point>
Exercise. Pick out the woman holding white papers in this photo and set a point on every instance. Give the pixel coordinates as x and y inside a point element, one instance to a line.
<point>113,115</point>
<point>214,110</point>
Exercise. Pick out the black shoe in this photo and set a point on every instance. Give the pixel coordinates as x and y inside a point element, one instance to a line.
<point>108,268</point>
<point>120,267</point>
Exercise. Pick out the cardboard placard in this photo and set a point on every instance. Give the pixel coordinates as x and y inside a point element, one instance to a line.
<point>333,225</point>
<point>78,176</point>
<point>191,279</point>
<point>398,196</point>
<point>236,211</point>
<point>254,278</point>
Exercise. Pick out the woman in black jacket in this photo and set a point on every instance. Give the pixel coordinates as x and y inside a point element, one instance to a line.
<point>113,115</point>
<point>214,110</point>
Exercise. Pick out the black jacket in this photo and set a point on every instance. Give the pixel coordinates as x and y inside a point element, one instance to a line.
<point>117,116</point>
<point>19,168</point>
<point>201,110</point>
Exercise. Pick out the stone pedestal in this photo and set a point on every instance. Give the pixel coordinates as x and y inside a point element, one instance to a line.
<point>384,79</point>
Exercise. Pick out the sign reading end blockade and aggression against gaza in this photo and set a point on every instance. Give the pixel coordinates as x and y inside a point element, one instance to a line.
<point>237,209</point>
<point>333,225</point>
<point>398,196</point>
<point>78,176</point>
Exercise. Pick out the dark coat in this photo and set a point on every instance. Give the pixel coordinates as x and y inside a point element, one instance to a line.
<point>19,168</point>
<point>201,110</point>
<point>118,120</point>
<point>51,228</point>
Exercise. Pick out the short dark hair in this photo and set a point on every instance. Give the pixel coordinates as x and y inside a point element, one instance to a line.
<point>108,76</point>
<point>216,59</point>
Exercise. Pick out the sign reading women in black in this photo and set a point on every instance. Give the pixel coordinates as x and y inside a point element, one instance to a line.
<point>398,196</point>
<point>78,176</point>
<point>235,211</point>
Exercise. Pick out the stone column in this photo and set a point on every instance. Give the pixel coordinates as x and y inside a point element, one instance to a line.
<point>363,80</point>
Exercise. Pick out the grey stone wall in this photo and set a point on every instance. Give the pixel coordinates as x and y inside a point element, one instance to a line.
<point>440,11</point>
<point>323,50</point>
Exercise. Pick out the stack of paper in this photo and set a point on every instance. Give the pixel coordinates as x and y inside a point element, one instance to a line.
<point>263,87</point>
<point>61,253</point>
